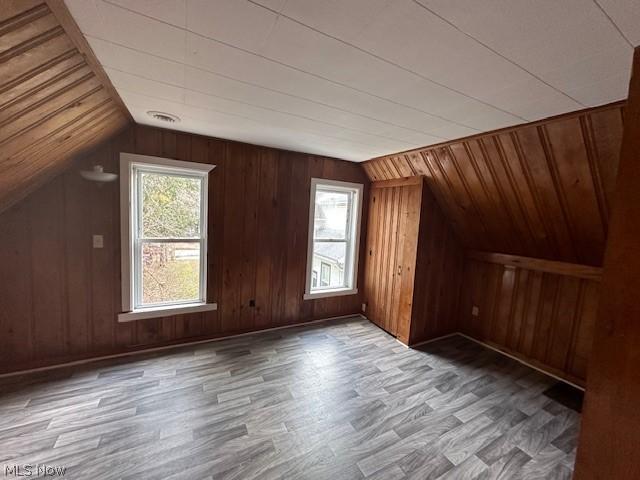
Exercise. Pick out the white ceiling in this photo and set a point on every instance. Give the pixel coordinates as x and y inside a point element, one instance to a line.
<point>357,79</point>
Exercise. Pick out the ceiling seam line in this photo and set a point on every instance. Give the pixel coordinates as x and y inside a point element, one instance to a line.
<point>540,79</point>
<point>292,67</point>
<point>270,89</point>
<point>355,143</point>
<point>390,62</point>
<point>614,24</point>
<point>264,108</point>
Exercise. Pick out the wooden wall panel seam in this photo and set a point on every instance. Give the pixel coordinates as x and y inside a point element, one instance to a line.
<point>37,70</point>
<point>23,18</point>
<point>538,318</point>
<point>98,110</point>
<point>52,81</point>
<point>567,364</point>
<point>539,189</point>
<point>587,134</point>
<point>535,194</point>
<point>31,43</point>
<point>52,96</point>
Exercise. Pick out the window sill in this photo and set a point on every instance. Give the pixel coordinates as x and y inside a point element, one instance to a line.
<point>330,293</point>
<point>158,312</point>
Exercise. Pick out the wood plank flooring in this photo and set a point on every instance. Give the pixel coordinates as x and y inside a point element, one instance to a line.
<point>334,400</point>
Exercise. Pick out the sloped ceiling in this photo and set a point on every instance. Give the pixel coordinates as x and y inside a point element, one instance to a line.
<point>540,190</point>
<point>54,99</point>
<point>356,79</point>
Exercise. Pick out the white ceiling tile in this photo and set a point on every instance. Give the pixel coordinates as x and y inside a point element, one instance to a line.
<point>542,36</point>
<point>243,66</point>
<point>454,60</point>
<point>311,51</point>
<point>272,4</point>
<point>626,15</point>
<point>87,16</point>
<point>421,42</point>
<point>152,88</point>
<point>169,11</point>
<point>461,110</point>
<point>592,69</point>
<point>331,59</point>
<point>286,120</point>
<point>236,125</point>
<point>138,63</point>
<point>235,22</point>
<point>339,18</point>
<point>138,32</point>
<point>225,87</point>
<point>604,91</point>
<point>452,132</point>
<point>532,99</point>
<point>359,78</point>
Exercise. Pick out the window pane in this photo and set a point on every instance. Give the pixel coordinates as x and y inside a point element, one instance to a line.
<point>329,260</point>
<point>331,214</point>
<point>170,272</point>
<point>170,206</point>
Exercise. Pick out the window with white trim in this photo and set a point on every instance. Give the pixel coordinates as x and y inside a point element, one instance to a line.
<point>334,233</point>
<point>164,238</point>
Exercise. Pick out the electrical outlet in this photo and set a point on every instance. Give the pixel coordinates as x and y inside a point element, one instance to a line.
<point>364,307</point>
<point>475,311</point>
<point>98,241</point>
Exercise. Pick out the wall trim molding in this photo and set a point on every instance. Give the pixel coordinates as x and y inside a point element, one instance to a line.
<point>522,361</point>
<point>549,266</point>
<point>282,327</point>
<point>489,346</point>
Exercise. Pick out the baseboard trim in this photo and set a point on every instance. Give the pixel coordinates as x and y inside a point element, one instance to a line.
<point>172,346</point>
<point>491,347</point>
<point>281,327</point>
<point>424,342</point>
<point>520,360</point>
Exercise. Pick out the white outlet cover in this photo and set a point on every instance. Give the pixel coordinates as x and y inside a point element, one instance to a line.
<point>98,241</point>
<point>475,311</point>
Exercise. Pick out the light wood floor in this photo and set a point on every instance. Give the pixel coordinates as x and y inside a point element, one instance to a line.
<point>335,400</point>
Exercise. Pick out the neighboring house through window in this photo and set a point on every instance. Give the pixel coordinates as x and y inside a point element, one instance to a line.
<point>325,274</point>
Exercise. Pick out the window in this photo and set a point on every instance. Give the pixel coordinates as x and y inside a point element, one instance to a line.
<point>164,236</point>
<point>334,232</point>
<point>325,274</point>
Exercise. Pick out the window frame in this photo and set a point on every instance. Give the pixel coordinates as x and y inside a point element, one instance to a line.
<point>131,167</point>
<point>352,238</point>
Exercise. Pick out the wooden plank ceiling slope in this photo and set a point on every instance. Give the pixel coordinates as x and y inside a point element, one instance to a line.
<point>55,99</point>
<point>539,190</point>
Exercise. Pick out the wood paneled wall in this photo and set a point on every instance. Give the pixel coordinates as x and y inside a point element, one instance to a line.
<point>392,244</point>
<point>539,190</point>
<point>55,99</point>
<point>610,432</point>
<point>414,263</point>
<point>59,296</point>
<point>439,270</point>
<point>543,312</point>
